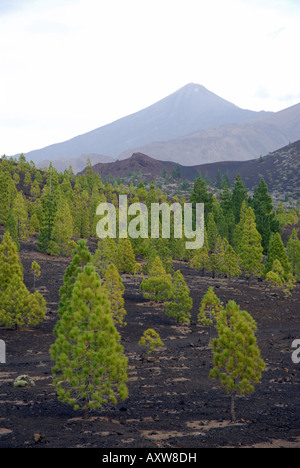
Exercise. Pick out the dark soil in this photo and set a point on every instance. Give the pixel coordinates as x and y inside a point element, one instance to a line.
<point>172,402</point>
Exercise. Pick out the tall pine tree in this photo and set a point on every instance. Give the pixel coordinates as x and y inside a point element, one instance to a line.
<point>90,367</point>
<point>250,250</point>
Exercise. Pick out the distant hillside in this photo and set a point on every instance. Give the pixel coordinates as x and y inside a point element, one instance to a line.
<point>280,169</point>
<point>78,164</point>
<point>190,109</point>
<point>233,142</point>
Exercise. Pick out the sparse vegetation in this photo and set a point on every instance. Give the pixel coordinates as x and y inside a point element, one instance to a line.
<point>246,239</point>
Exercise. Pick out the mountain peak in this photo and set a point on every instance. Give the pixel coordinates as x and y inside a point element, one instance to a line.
<point>188,110</point>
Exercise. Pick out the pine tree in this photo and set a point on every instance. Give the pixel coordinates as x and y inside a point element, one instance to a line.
<point>181,303</point>
<point>126,262</point>
<point>105,255</point>
<point>21,216</point>
<point>231,263</point>
<point>239,195</point>
<point>62,231</point>
<point>49,208</point>
<point>10,264</point>
<point>80,257</point>
<point>200,194</point>
<point>200,260</point>
<point>212,232</point>
<point>80,213</point>
<point>237,360</point>
<point>293,252</point>
<point>115,290</point>
<point>277,278</point>
<point>158,285</point>
<point>265,217</point>
<point>8,193</point>
<point>238,229</point>
<point>250,250</point>
<point>18,306</point>
<point>90,368</point>
<point>36,270</point>
<point>277,252</point>
<point>209,310</point>
<point>151,340</point>
<point>11,227</point>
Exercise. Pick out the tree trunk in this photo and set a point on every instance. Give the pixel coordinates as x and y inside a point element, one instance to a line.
<point>233,407</point>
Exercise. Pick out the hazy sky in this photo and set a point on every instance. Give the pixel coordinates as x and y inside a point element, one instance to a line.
<point>70,66</point>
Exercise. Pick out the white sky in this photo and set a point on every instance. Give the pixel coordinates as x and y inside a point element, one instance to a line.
<point>70,66</point>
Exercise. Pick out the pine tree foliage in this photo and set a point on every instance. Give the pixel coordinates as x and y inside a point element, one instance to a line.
<point>181,303</point>
<point>90,366</point>
<point>200,259</point>
<point>237,359</point>
<point>125,261</point>
<point>115,290</point>
<point>18,307</point>
<point>8,193</point>
<point>250,249</point>
<point>11,227</point>
<point>151,340</point>
<point>20,213</point>
<point>209,310</point>
<point>266,221</point>
<point>276,278</point>
<point>49,208</point>
<point>36,270</point>
<point>62,231</point>
<point>81,256</point>
<point>231,263</point>
<point>293,252</point>
<point>239,195</point>
<point>105,255</point>
<point>277,251</point>
<point>158,285</point>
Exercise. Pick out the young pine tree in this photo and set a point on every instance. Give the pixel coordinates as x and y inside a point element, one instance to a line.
<point>239,195</point>
<point>36,270</point>
<point>18,306</point>
<point>105,255</point>
<point>10,263</point>
<point>276,278</point>
<point>151,340</point>
<point>11,227</point>
<point>62,231</point>
<point>115,290</point>
<point>181,303</point>
<point>277,252</point>
<point>293,251</point>
<point>158,285</point>
<point>49,208</point>
<point>266,221</point>
<point>200,260</point>
<point>237,360</point>
<point>21,216</point>
<point>209,310</point>
<point>250,249</point>
<point>126,262</point>
<point>231,263</point>
<point>90,368</point>
<point>80,257</point>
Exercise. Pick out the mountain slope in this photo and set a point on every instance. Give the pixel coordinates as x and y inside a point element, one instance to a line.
<point>234,142</point>
<point>280,169</point>
<point>188,110</point>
